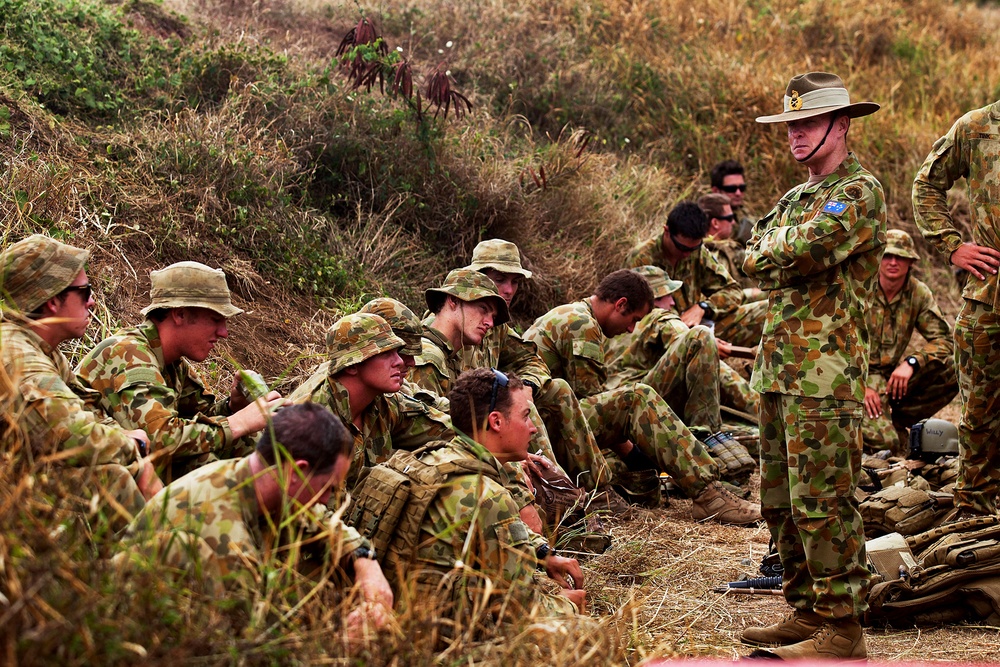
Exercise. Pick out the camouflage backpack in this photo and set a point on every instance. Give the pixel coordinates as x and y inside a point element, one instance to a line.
<point>390,502</point>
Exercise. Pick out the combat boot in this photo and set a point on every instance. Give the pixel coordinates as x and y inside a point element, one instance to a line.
<point>718,504</point>
<point>834,640</point>
<point>796,626</point>
<point>607,499</point>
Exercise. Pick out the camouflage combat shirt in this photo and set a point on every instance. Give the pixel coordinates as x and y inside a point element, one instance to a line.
<point>571,343</point>
<point>730,254</point>
<point>630,356</point>
<point>817,253</point>
<point>438,364</point>
<point>703,275</point>
<point>505,350</point>
<point>891,324</point>
<point>971,149</point>
<point>54,411</point>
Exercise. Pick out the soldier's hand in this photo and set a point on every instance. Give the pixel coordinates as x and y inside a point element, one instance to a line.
<point>148,481</point>
<point>725,349</point>
<point>371,582</point>
<point>873,404</point>
<point>237,401</point>
<point>253,417</point>
<point>693,315</point>
<point>899,381</point>
<point>559,568</point>
<point>976,259</point>
<point>577,597</point>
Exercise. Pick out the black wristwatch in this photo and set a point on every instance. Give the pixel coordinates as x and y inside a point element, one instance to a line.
<point>913,362</point>
<point>143,446</point>
<point>544,551</point>
<point>361,552</point>
<point>705,305</point>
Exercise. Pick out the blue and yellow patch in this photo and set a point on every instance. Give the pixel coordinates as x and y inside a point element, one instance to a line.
<point>834,207</point>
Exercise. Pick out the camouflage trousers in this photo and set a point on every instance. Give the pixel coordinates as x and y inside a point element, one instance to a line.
<point>744,326</point>
<point>810,457</point>
<point>977,355</point>
<point>687,377</point>
<point>636,412</point>
<point>735,391</point>
<point>570,438</point>
<point>931,388</point>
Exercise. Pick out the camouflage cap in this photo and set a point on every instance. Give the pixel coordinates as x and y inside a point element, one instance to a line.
<point>190,285</point>
<point>500,255</point>
<point>402,320</point>
<point>468,285</point>
<point>658,280</point>
<point>36,269</point>
<point>900,244</point>
<point>357,337</point>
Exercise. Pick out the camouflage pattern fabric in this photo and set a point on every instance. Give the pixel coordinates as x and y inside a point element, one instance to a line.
<point>970,150</point>
<point>190,285</point>
<point>570,342</point>
<point>810,460</point>
<point>217,505</point>
<point>468,285</point>
<point>58,416</point>
<point>35,269</point>
<point>744,227</point>
<point>704,277</point>
<point>473,526</point>
<point>735,391</point>
<point>891,325</point>
<point>817,254</point>
<point>438,364</point>
<point>187,426</point>
<point>731,253</point>
<point>743,326</point>
<point>358,337</point>
<point>403,322</point>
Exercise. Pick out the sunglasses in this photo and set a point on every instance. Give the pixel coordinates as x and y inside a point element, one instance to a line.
<point>85,290</point>
<point>684,248</point>
<point>728,218</point>
<point>499,380</point>
<point>742,187</point>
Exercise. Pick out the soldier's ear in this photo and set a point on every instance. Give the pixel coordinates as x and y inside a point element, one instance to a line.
<point>621,305</point>
<point>494,420</point>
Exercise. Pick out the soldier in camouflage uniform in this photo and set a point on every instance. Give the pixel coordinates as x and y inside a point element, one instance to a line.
<point>727,177</point>
<point>46,300</point>
<point>900,392</point>
<point>724,247</point>
<point>681,363</point>
<point>471,539</point>
<point>708,291</point>
<point>817,254</point>
<point>971,149</point>
<point>145,378</point>
<point>228,516</point>
<point>571,339</point>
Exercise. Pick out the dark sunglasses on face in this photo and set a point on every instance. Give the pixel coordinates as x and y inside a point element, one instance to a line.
<point>742,187</point>
<point>85,290</point>
<point>499,380</point>
<point>684,248</point>
<point>728,218</point>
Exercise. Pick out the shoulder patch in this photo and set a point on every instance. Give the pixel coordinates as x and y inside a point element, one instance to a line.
<point>835,207</point>
<point>854,191</point>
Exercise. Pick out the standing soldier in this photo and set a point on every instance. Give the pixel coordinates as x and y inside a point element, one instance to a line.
<point>971,149</point>
<point>145,378</point>
<point>902,391</point>
<point>816,254</point>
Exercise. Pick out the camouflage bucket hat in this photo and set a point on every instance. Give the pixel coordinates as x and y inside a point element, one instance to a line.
<point>900,244</point>
<point>355,338</point>
<point>468,285</point>
<point>402,321</point>
<point>190,285</point>
<point>36,269</point>
<point>816,93</point>
<point>658,280</point>
<point>500,255</point>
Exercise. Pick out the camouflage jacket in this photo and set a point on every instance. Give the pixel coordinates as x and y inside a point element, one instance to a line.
<point>218,504</point>
<point>704,277</point>
<point>630,356</point>
<point>392,421</point>
<point>169,402</point>
<point>891,324</point>
<point>54,412</point>
<point>971,149</point>
<point>571,343</point>
<point>505,350</point>
<point>730,254</point>
<point>817,254</point>
<point>437,365</point>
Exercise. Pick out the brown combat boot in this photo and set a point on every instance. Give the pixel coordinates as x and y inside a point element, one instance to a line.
<point>841,640</point>
<point>718,504</point>
<point>794,627</point>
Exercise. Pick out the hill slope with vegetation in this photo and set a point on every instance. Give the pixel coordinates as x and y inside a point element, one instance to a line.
<point>230,132</point>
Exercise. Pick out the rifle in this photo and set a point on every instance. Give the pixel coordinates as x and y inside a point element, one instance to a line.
<point>756,586</point>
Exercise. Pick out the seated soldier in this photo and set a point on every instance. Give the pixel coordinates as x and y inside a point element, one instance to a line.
<point>230,515</point>
<point>572,341</point>
<point>720,242</point>
<point>728,178</point>
<point>46,300</point>
<point>467,538</point>
<point>902,390</point>
<point>681,363</point>
<point>145,378</point>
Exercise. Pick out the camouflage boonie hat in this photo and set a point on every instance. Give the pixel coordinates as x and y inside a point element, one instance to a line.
<point>402,320</point>
<point>900,244</point>
<point>500,255</point>
<point>355,338</point>
<point>468,285</point>
<point>658,280</point>
<point>190,285</point>
<point>36,269</point>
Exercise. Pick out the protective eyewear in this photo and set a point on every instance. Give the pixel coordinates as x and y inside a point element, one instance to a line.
<point>499,380</point>
<point>728,218</point>
<point>742,187</point>
<point>684,248</point>
<point>85,290</point>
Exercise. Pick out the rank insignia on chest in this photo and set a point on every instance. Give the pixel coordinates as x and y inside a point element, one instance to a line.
<point>834,207</point>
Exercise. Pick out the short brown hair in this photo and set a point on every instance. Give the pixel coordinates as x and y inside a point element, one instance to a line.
<point>472,393</point>
<point>628,284</point>
<point>713,204</point>
<point>306,432</point>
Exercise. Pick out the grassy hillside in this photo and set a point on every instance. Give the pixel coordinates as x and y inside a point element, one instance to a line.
<point>226,131</point>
